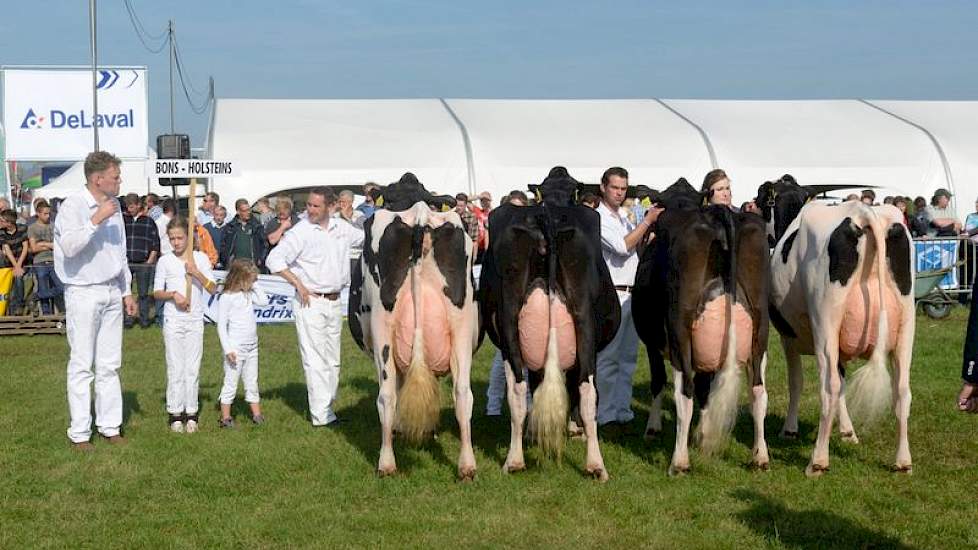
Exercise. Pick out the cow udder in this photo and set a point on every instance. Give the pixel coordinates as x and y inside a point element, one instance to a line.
<point>534,329</point>
<point>434,325</point>
<point>860,323</point>
<point>710,332</point>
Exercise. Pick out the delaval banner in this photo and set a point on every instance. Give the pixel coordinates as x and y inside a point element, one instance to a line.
<point>47,113</point>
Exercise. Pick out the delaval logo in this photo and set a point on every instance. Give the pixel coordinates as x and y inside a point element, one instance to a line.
<point>59,119</point>
<point>31,121</point>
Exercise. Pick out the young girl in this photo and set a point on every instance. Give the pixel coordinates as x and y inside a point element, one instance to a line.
<point>183,324</point>
<point>238,332</point>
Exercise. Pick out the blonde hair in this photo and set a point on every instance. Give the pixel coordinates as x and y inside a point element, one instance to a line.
<point>239,276</point>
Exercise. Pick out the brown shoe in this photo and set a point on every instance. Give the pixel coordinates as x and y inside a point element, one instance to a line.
<point>83,446</point>
<point>116,439</point>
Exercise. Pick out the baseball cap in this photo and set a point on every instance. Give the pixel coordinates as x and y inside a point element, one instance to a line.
<point>944,192</point>
<point>485,195</point>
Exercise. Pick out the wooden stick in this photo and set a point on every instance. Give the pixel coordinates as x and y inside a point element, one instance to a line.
<point>188,254</point>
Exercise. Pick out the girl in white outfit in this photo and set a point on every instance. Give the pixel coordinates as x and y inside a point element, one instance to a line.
<point>238,332</point>
<point>183,324</point>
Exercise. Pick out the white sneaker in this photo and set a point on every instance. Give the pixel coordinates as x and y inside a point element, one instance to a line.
<point>177,427</point>
<point>191,426</point>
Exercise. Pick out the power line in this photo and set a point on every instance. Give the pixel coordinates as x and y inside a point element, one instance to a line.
<point>144,36</point>
<point>184,82</point>
<point>179,58</point>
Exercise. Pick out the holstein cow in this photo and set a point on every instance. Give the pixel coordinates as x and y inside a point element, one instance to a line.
<point>842,288</point>
<point>701,298</point>
<point>549,305</point>
<point>412,310</point>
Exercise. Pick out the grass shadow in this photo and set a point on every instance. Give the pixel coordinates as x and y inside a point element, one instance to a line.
<point>782,526</point>
<point>130,406</point>
<point>294,395</point>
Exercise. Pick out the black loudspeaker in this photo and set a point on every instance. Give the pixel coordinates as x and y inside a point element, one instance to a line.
<point>173,146</point>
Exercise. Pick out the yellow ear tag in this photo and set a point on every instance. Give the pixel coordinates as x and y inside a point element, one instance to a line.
<point>647,202</point>
<point>379,202</point>
<point>445,208</point>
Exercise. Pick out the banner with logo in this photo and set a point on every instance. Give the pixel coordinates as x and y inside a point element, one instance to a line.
<point>938,254</point>
<point>6,283</point>
<point>278,310</point>
<point>47,113</point>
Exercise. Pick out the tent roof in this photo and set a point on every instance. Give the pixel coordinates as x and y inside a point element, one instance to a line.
<point>473,145</point>
<point>285,144</point>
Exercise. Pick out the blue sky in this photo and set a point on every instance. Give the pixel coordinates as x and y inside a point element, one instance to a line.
<point>504,48</point>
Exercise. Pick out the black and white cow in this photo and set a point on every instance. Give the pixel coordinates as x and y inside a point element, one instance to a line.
<point>842,288</point>
<point>700,297</point>
<point>412,310</point>
<point>549,305</point>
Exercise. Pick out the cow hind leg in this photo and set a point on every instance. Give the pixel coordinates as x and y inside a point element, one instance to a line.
<point>830,387</point>
<point>516,396</point>
<point>758,396</point>
<point>386,408</point>
<point>462,391</point>
<point>901,400</point>
<point>589,415</point>
<point>684,416</point>
<point>846,429</point>
<point>796,383</point>
<point>657,370</point>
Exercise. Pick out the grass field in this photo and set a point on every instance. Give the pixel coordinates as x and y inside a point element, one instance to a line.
<point>287,484</point>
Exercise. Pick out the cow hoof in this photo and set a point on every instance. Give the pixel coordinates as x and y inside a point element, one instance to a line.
<point>386,471</point>
<point>597,473</point>
<point>815,470</point>
<point>789,435</point>
<point>678,471</point>
<point>513,468</point>
<point>760,466</point>
<point>902,469</point>
<point>467,474</point>
<point>850,437</point>
<point>651,434</point>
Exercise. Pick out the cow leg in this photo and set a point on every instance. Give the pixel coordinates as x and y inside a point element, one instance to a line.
<point>796,383</point>
<point>386,408</point>
<point>516,395</point>
<point>758,409</point>
<point>463,407</point>
<point>683,396</point>
<point>901,392</point>
<point>830,386</point>
<point>657,371</point>
<point>589,415</point>
<point>846,430</point>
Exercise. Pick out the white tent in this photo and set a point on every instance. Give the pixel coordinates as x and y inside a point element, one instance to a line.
<point>132,172</point>
<point>908,147</point>
<point>286,144</point>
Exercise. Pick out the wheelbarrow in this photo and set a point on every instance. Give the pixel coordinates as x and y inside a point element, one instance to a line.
<point>935,301</point>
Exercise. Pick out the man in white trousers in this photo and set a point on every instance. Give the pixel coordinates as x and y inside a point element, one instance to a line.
<point>314,258</point>
<point>90,258</point>
<point>619,237</point>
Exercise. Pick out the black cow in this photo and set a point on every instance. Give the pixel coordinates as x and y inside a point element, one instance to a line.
<point>548,304</point>
<point>700,296</point>
<point>412,309</point>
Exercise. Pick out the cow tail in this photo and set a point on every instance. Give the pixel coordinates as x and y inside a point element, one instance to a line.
<point>720,415</point>
<point>548,418</point>
<point>868,391</point>
<point>419,399</point>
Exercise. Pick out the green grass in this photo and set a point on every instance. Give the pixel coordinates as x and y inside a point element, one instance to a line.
<point>286,483</point>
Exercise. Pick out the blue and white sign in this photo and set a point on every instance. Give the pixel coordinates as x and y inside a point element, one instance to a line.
<point>47,113</point>
<point>279,308</point>
<point>938,254</point>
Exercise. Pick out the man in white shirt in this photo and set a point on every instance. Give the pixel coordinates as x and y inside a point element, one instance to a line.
<point>619,237</point>
<point>90,258</point>
<point>314,258</point>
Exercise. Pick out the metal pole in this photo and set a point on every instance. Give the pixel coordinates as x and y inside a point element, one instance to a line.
<point>172,54</point>
<point>93,28</point>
